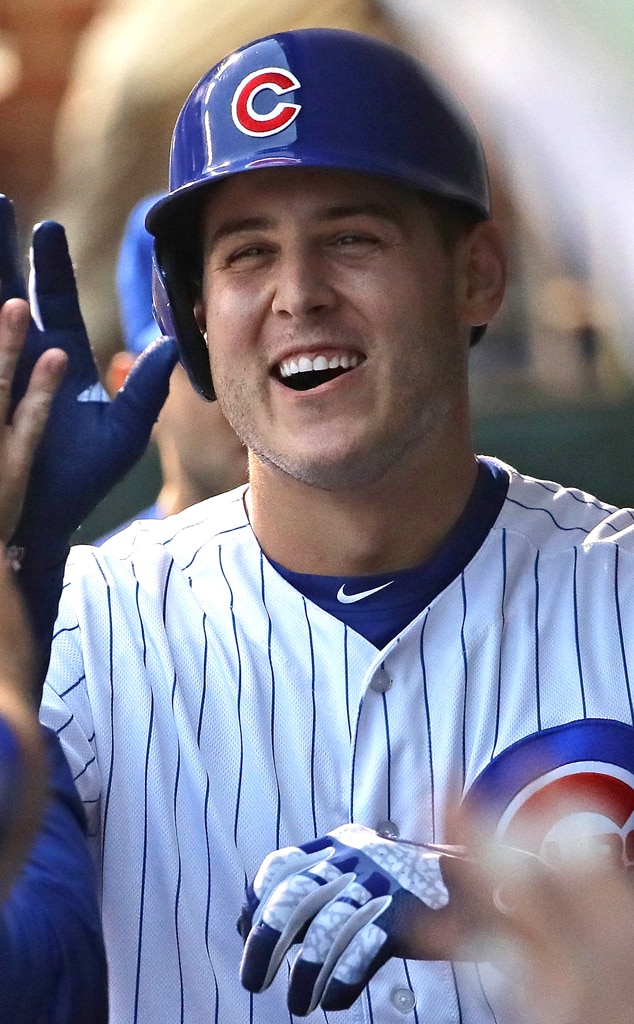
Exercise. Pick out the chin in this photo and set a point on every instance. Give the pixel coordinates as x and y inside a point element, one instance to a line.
<point>340,473</point>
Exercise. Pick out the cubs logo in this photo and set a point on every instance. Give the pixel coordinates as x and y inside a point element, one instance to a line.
<point>562,791</point>
<point>252,122</point>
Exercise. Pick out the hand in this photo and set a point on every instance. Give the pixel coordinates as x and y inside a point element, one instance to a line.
<point>566,935</point>
<point>21,432</point>
<point>353,899</point>
<point>89,443</point>
<point>574,936</point>
<point>19,437</point>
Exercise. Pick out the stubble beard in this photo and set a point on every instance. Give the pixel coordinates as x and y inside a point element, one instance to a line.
<point>371,461</point>
<point>367,465</point>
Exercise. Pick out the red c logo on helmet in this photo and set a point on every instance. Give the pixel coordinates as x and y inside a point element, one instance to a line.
<point>247,120</point>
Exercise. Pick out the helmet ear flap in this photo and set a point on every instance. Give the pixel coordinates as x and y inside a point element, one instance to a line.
<point>173,307</point>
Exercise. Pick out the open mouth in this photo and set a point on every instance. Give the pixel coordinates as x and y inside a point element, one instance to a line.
<point>307,372</point>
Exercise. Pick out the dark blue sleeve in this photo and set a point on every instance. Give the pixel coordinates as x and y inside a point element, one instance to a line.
<point>52,959</point>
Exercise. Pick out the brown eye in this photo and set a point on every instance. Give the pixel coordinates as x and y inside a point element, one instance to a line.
<point>251,252</point>
<point>355,241</point>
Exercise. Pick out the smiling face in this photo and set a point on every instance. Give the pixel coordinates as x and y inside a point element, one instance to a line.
<point>336,323</point>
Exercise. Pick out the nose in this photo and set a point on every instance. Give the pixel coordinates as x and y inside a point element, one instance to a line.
<point>302,286</point>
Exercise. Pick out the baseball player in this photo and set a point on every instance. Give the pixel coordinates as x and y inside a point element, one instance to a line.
<point>270,700</point>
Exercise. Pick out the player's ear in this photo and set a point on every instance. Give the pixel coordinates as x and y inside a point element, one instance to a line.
<point>481,278</point>
<point>200,318</point>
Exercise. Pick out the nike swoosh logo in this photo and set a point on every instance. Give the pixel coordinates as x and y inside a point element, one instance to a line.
<point>344,598</point>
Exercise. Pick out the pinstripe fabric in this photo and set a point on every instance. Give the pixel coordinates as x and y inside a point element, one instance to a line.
<point>210,714</point>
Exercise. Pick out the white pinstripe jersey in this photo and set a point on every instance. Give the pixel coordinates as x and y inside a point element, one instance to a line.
<point>211,714</point>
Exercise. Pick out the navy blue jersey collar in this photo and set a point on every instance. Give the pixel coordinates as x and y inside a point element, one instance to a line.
<point>380,606</point>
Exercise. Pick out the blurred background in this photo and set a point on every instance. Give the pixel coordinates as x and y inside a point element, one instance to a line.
<point>90,89</point>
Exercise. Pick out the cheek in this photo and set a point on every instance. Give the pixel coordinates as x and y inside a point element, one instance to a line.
<point>233,383</point>
<point>225,346</point>
<point>233,300</point>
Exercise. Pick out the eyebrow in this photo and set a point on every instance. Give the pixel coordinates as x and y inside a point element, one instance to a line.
<point>239,225</point>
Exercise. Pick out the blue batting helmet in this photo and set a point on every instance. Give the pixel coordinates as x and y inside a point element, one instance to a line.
<point>313,98</point>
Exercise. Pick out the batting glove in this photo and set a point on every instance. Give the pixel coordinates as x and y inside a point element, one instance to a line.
<point>12,285</point>
<point>90,443</point>
<point>353,899</point>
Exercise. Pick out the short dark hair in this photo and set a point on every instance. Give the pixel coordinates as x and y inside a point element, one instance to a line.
<point>452,220</point>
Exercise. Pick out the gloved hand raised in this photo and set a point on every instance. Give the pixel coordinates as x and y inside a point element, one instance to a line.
<point>89,443</point>
<point>353,899</point>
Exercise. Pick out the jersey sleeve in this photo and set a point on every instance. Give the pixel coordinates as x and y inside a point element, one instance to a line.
<point>52,958</point>
<point>66,710</point>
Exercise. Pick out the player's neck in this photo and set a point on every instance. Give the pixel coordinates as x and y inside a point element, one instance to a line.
<point>396,524</point>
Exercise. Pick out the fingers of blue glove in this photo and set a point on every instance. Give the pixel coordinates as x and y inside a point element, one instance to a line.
<point>274,869</point>
<point>52,287</point>
<point>368,950</point>
<point>379,936</point>
<point>326,944</point>
<point>12,283</point>
<point>283,918</point>
<point>290,860</point>
<point>135,408</point>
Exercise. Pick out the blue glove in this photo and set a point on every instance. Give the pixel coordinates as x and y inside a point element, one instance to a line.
<point>12,284</point>
<point>89,443</point>
<point>353,898</point>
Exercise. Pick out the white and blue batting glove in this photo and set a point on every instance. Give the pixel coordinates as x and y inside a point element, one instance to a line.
<point>353,899</point>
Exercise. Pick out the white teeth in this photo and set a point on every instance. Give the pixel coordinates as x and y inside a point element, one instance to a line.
<point>305,364</point>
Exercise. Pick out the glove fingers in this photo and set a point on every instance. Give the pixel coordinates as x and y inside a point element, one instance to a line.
<point>340,938</point>
<point>12,283</point>
<point>136,407</point>
<point>52,287</point>
<point>273,870</point>
<point>287,910</point>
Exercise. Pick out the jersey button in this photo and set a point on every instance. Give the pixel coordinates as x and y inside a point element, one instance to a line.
<point>387,828</point>
<point>403,999</point>
<point>381,682</point>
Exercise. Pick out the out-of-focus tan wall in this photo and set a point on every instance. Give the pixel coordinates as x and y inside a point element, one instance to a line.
<point>134,68</point>
<point>38,39</point>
